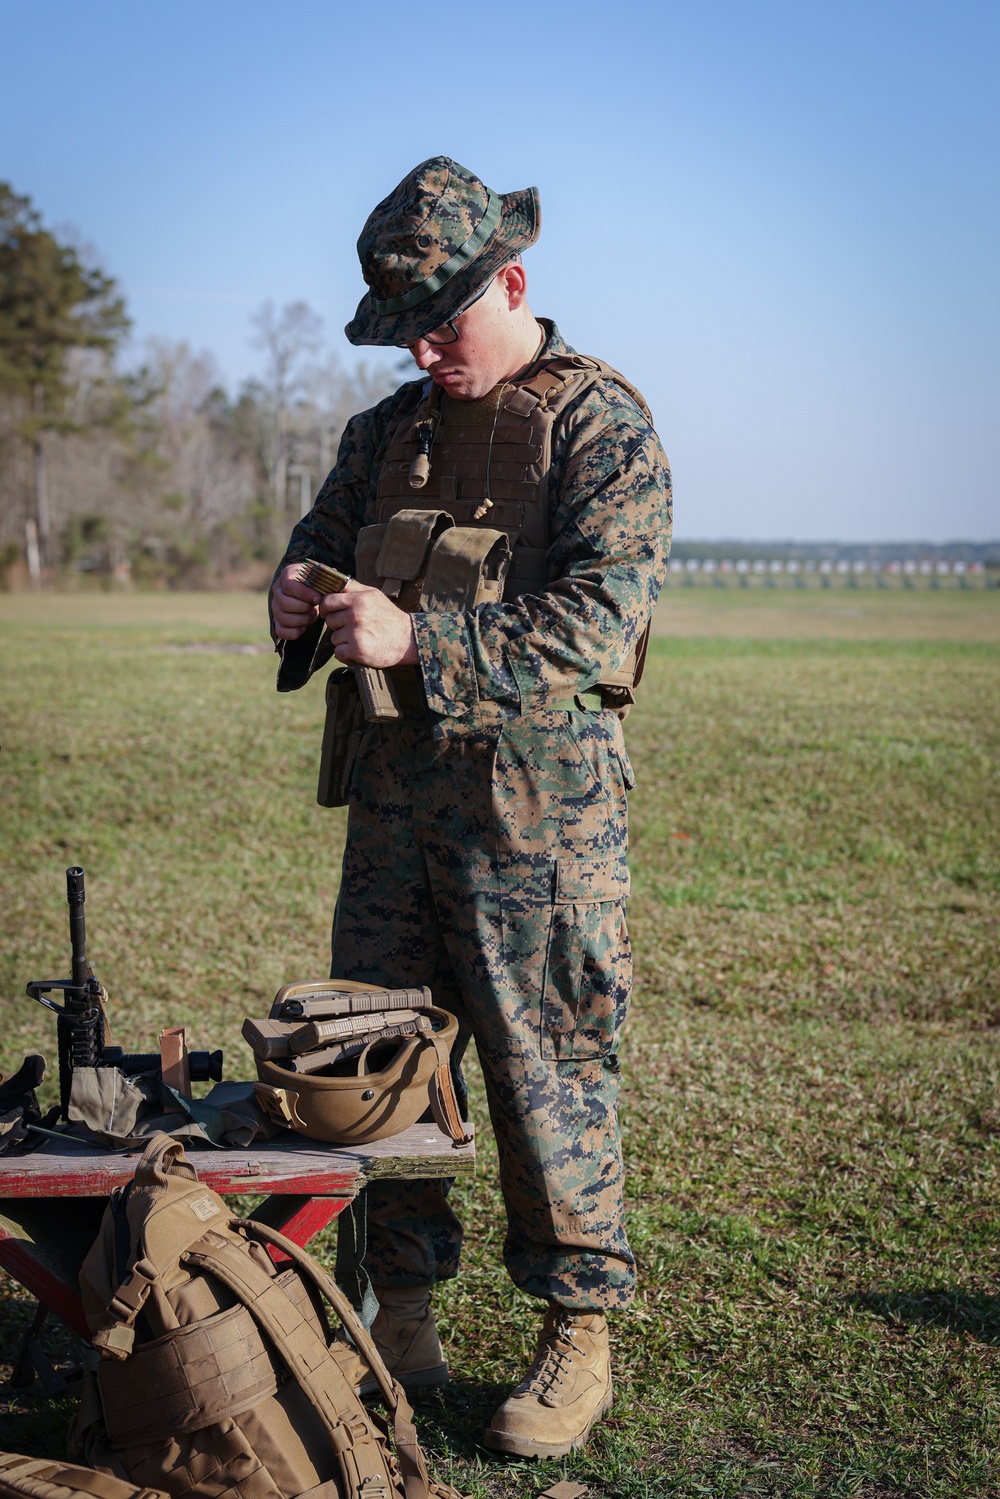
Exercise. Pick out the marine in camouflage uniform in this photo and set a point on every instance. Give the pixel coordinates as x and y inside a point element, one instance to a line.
<point>487,836</point>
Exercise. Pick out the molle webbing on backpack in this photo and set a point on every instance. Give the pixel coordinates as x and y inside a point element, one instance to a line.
<point>489,467</point>
<point>309,1364</point>
<point>41,1478</point>
<point>304,1352</point>
<point>186,1380</point>
<point>411,1460</point>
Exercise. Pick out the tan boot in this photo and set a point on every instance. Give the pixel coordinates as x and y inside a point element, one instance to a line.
<point>566,1390</point>
<point>406,1336</point>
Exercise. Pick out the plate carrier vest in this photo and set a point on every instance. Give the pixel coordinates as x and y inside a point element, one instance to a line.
<point>497,476</point>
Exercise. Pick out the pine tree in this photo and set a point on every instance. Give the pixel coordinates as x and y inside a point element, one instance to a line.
<point>51,303</point>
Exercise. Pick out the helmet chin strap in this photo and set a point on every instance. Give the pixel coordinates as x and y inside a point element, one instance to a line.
<point>444,1104</point>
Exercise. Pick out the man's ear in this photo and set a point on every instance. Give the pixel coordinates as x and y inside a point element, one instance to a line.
<point>515,284</point>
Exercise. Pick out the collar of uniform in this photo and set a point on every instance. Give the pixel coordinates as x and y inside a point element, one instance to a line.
<point>554,344</point>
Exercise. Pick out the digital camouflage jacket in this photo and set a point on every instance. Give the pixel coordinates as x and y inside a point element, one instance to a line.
<point>610,519</point>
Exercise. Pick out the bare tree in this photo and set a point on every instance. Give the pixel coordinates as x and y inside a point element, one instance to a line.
<point>208,476</point>
<point>287,338</point>
<point>335,395</point>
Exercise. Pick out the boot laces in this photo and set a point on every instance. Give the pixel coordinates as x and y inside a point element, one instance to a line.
<point>552,1360</point>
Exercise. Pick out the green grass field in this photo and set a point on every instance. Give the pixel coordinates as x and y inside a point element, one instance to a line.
<point>811,1107</point>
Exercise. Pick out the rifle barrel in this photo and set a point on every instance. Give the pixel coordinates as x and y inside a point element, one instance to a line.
<point>76,895</point>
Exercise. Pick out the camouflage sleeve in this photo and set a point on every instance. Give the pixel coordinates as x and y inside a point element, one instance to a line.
<point>611,519</point>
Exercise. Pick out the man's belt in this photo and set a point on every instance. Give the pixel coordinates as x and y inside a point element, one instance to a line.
<point>409,689</point>
<point>580,702</point>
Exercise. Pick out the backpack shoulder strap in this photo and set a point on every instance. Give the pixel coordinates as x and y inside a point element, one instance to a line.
<point>320,1377</point>
<point>42,1478</point>
<point>404,1434</point>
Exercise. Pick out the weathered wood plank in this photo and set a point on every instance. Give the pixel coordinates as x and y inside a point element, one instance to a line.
<point>54,1174</point>
<point>422,1151</point>
<point>301,1167</point>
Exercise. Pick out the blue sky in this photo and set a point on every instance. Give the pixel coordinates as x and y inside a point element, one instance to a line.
<point>779,219</point>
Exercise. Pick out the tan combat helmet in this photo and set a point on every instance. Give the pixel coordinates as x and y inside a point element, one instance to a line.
<point>349,1069</point>
<point>431,244</point>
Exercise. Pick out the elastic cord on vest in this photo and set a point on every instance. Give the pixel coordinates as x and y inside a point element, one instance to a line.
<point>487,503</point>
<point>423,432</point>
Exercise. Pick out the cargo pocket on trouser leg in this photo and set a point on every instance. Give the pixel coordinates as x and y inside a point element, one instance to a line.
<point>588,962</point>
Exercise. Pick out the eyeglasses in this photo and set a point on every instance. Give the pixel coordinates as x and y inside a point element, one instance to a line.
<point>447,333</point>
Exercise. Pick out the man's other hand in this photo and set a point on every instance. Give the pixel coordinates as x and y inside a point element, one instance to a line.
<point>368,628</point>
<point>293,605</point>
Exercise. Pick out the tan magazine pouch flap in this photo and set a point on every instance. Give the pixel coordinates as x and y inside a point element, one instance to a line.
<point>467,567</point>
<point>423,561</point>
<point>409,536</point>
<point>366,552</point>
<point>343,730</point>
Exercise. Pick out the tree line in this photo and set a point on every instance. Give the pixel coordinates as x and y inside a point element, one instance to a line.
<point>155,473</point>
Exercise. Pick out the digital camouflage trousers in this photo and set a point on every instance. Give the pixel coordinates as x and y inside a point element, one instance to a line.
<point>486,858</point>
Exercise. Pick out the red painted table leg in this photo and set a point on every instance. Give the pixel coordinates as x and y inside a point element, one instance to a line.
<point>36,1277</point>
<point>43,1243</point>
<point>298,1218</point>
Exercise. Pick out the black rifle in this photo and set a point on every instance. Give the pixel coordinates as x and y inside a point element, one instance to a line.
<point>81,1026</point>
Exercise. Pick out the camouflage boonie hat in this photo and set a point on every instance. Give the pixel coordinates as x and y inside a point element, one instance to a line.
<point>431,244</point>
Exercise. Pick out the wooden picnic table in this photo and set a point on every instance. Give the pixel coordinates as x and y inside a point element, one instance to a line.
<point>52,1201</point>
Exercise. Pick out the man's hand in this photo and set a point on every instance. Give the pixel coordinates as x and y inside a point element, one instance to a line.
<point>368,628</point>
<point>293,604</point>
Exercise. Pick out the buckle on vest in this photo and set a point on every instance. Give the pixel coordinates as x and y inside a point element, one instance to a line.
<point>130,1297</point>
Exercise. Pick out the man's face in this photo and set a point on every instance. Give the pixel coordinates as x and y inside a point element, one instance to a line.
<point>486,351</point>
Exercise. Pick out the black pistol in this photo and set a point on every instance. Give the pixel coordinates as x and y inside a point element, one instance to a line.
<point>81,1022</point>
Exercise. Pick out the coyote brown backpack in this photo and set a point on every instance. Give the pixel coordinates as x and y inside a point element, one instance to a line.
<point>41,1478</point>
<point>219,1375</point>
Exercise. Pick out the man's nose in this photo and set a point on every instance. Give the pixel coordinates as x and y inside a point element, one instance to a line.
<point>424,354</point>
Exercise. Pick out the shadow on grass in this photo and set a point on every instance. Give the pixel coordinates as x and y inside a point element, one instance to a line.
<point>37,1428</point>
<point>453,1419</point>
<point>973,1313</point>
